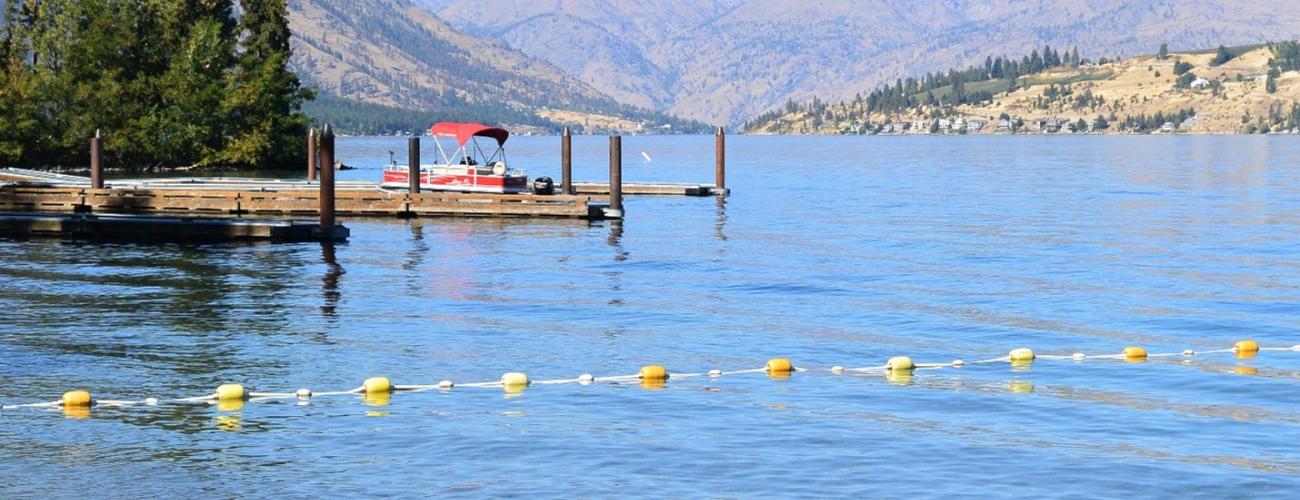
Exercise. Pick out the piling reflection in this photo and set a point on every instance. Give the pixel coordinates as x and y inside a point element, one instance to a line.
<point>615,275</point>
<point>720,221</point>
<point>615,240</point>
<point>330,281</point>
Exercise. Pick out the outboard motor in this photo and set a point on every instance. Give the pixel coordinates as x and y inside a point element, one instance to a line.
<point>543,185</point>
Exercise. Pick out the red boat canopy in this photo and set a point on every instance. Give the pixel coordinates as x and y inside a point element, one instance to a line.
<point>464,131</point>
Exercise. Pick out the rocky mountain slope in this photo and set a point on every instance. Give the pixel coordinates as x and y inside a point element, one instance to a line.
<point>724,61</point>
<point>397,53</point>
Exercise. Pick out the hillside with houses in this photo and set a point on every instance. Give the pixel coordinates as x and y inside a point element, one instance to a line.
<point>1251,89</point>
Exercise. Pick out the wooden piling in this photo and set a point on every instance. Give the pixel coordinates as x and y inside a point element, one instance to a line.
<point>566,162</point>
<point>616,175</point>
<point>97,161</point>
<point>327,179</point>
<point>720,162</point>
<point>413,164</point>
<point>312,163</point>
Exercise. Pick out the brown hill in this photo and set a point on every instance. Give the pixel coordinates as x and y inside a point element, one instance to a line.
<point>1232,97</point>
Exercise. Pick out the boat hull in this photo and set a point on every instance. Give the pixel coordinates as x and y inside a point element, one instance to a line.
<point>467,183</point>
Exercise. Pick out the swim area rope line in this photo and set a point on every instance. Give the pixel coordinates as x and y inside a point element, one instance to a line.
<point>234,395</point>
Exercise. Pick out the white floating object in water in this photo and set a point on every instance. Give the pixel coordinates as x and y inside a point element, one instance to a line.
<point>646,156</point>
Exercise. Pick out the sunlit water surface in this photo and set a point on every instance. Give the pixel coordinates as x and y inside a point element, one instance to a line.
<point>830,251</point>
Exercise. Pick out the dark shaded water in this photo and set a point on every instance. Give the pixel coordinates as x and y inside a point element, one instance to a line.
<point>832,251</point>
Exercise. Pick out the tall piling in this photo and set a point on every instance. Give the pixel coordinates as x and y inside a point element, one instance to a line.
<point>413,164</point>
<point>566,162</point>
<point>312,159</point>
<point>720,162</point>
<point>97,161</point>
<point>616,175</point>
<point>327,180</point>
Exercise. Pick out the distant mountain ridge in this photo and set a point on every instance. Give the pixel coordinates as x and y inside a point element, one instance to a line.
<point>396,53</point>
<point>724,61</point>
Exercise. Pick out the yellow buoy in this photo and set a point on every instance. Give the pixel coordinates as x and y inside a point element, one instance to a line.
<point>654,373</point>
<point>377,398</point>
<point>1021,355</point>
<point>77,399</point>
<point>76,412</point>
<point>899,377</point>
<point>1245,346</point>
<point>899,364</point>
<point>1135,353</point>
<point>1246,370</point>
<point>515,379</point>
<point>231,392</point>
<point>230,404</point>
<point>778,366</point>
<point>377,385</point>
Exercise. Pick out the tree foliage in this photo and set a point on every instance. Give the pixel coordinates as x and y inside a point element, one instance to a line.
<point>1221,56</point>
<point>1286,56</point>
<point>170,83</point>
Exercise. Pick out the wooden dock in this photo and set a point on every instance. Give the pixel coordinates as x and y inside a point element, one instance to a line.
<point>261,201</point>
<point>46,192</point>
<point>163,228</point>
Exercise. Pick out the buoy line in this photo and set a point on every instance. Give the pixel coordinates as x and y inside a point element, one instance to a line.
<point>654,375</point>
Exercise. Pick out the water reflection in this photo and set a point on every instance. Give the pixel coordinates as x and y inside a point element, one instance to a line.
<point>330,281</point>
<point>720,224</point>
<point>615,274</point>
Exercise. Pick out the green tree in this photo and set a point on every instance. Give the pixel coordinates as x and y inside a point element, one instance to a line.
<point>1270,84</point>
<point>164,79</point>
<point>1100,123</point>
<point>1221,56</point>
<point>264,98</point>
<point>1181,67</point>
<point>1164,52</point>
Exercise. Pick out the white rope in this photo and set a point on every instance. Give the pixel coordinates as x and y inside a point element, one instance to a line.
<point>618,379</point>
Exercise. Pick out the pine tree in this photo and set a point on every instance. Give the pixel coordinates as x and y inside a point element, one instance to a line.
<point>264,97</point>
<point>1164,52</point>
<point>1221,56</point>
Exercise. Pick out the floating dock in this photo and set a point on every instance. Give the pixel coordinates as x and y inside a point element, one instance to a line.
<point>649,189</point>
<point>163,228</point>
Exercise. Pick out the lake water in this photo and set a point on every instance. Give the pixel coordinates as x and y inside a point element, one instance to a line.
<point>830,251</point>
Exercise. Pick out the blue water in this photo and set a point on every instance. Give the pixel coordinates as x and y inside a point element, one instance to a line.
<point>830,251</point>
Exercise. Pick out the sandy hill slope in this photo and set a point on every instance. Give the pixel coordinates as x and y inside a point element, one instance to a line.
<point>1228,98</point>
<point>725,61</point>
<point>397,53</point>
